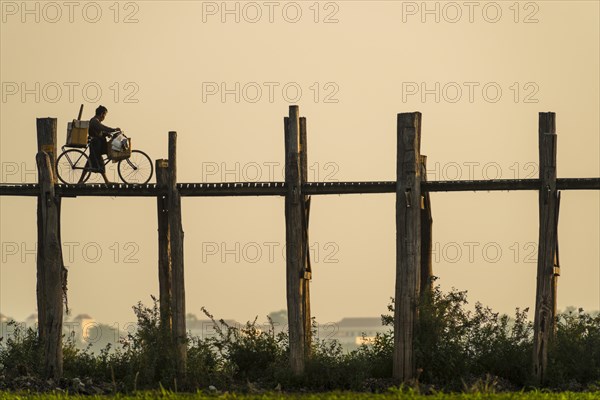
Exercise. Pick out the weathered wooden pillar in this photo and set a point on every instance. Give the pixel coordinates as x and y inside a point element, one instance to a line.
<point>556,269</point>
<point>305,243</point>
<point>408,243</point>
<point>426,234</point>
<point>164,246</point>
<point>46,138</point>
<point>46,142</point>
<point>50,271</point>
<point>548,201</point>
<point>294,215</point>
<point>177,271</point>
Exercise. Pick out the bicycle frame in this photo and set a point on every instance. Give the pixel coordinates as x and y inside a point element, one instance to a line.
<point>78,158</point>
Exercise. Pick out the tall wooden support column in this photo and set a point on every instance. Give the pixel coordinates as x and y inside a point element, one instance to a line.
<point>164,246</point>
<point>556,269</point>
<point>50,270</point>
<point>548,208</point>
<point>177,270</point>
<point>408,244</point>
<point>46,139</point>
<point>426,234</point>
<point>51,273</point>
<point>294,215</point>
<point>306,244</point>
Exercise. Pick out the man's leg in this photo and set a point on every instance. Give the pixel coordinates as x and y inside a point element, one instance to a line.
<point>81,177</point>
<point>88,164</point>
<point>98,146</point>
<point>103,149</point>
<point>105,178</point>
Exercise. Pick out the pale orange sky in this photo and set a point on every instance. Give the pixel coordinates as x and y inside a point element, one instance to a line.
<point>362,65</point>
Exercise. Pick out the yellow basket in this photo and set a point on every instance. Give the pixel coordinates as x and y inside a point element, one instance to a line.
<point>77,133</point>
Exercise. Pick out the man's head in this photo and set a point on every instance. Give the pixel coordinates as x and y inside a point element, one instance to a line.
<point>101,112</point>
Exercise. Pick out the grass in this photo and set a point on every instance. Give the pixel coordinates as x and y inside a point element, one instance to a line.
<point>391,394</point>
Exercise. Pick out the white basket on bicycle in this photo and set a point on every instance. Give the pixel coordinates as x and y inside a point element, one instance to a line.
<point>119,147</point>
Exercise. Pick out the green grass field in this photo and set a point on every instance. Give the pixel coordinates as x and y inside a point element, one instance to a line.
<point>315,396</point>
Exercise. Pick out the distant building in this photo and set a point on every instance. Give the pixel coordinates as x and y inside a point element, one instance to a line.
<point>83,326</point>
<point>4,325</point>
<point>352,332</point>
<point>349,332</point>
<point>31,321</point>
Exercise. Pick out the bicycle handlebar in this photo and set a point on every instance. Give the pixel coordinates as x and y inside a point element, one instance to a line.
<point>115,133</point>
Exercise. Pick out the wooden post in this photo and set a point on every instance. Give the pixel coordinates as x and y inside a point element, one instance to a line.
<point>543,324</point>
<point>408,244</point>
<point>426,234</point>
<point>176,239</point>
<point>305,243</point>
<point>294,238</point>
<point>46,138</point>
<point>50,271</point>
<point>556,269</point>
<point>164,246</point>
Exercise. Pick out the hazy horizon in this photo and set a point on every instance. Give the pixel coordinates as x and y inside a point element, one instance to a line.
<point>225,85</point>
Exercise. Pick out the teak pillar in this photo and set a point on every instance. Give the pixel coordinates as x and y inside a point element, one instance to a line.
<point>545,301</point>
<point>164,246</point>
<point>306,244</point>
<point>50,271</point>
<point>426,234</point>
<point>177,270</point>
<point>170,258</point>
<point>46,139</point>
<point>408,244</point>
<point>294,217</point>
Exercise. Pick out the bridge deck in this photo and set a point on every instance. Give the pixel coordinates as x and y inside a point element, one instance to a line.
<point>279,188</point>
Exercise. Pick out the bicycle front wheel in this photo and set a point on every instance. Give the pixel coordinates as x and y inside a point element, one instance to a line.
<point>136,169</point>
<point>70,166</point>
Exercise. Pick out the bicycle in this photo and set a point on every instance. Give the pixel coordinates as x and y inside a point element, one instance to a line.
<point>72,163</point>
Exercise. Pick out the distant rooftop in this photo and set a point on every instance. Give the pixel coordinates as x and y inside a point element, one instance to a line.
<point>360,322</point>
<point>79,317</point>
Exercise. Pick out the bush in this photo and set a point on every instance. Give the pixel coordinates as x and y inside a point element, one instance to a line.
<point>204,366</point>
<point>249,353</point>
<point>20,352</point>
<point>574,355</point>
<point>455,349</point>
<point>328,368</point>
<point>454,346</point>
<point>142,360</point>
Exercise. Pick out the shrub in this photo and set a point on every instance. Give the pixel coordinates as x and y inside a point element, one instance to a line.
<point>455,346</point>
<point>249,353</point>
<point>574,355</point>
<point>20,352</point>
<point>455,349</point>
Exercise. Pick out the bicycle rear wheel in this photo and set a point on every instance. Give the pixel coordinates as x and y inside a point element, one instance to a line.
<point>70,166</point>
<point>136,169</point>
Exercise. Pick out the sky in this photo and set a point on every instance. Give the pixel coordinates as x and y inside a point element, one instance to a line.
<point>223,74</point>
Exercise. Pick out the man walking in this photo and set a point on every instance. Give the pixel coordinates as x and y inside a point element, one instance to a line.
<point>97,142</point>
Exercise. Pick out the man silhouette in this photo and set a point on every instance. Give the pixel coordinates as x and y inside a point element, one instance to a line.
<point>97,135</point>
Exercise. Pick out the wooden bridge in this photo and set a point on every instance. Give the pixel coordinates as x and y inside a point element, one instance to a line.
<point>279,188</point>
<point>413,236</point>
